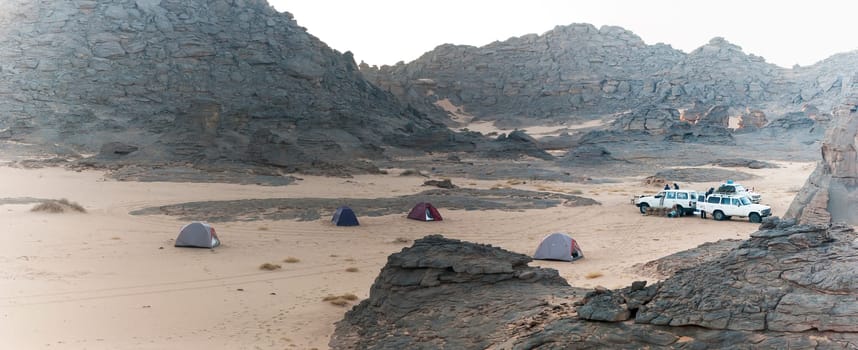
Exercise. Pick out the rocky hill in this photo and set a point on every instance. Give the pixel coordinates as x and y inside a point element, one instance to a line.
<point>196,82</point>
<point>583,72</point>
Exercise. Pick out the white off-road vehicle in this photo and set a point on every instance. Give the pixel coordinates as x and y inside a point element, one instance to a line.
<point>684,200</point>
<point>725,206</point>
<point>731,187</point>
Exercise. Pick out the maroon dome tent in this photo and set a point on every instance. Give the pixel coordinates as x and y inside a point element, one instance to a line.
<point>425,212</point>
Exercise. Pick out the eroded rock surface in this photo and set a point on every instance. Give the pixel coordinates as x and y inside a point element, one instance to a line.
<point>788,286</point>
<point>830,194</point>
<point>445,293</point>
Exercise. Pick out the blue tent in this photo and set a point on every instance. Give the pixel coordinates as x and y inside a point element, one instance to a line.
<point>345,216</point>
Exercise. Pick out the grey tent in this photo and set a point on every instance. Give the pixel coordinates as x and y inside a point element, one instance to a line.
<point>197,234</point>
<point>558,246</point>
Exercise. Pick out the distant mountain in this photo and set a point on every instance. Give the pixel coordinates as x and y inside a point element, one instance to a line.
<point>584,71</point>
<point>192,81</point>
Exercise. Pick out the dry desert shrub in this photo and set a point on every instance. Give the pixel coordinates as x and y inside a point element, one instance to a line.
<point>291,260</point>
<point>269,267</point>
<point>352,269</point>
<point>58,206</point>
<point>592,275</point>
<point>514,182</point>
<point>412,172</point>
<point>401,240</point>
<point>340,300</point>
<point>263,228</point>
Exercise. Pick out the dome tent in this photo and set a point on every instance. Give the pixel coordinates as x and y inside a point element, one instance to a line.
<point>558,246</point>
<point>197,235</point>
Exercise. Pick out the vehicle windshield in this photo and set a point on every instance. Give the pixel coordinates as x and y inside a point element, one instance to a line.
<point>745,201</point>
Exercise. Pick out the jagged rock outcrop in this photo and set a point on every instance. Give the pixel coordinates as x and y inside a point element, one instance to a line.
<point>663,124</point>
<point>788,286</point>
<point>192,82</point>
<point>445,293</point>
<point>830,194</point>
<point>789,279</point>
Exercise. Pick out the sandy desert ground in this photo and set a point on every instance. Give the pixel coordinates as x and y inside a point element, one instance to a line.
<point>110,280</point>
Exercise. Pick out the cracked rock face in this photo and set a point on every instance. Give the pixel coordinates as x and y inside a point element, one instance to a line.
<point>831,192</point>
<point>792,279</point>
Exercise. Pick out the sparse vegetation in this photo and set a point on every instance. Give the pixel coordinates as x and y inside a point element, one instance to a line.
<point>340,300</point>
<point>412,172</point>
<point>269,267</point>
<point>291,260</point>
<point>401,240</point>
<point>58,206</point>
<point>592,275</point>
<point>263,228</point>
<point>352,269</point>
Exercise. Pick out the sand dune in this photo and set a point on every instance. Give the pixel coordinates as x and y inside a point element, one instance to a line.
<point>108,280</point>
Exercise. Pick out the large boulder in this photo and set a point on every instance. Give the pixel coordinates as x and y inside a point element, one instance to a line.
<point>445,293</point>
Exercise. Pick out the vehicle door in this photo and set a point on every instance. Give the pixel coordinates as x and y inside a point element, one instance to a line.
<point>736,205</point>
<point>712,203</point>
<point>727,206</point>
<point>669,199</point>
<point>683,200</point>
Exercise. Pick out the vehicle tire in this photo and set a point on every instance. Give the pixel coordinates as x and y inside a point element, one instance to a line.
<point>755,218</point>
<point>644,207</point>
<point>718,215</point>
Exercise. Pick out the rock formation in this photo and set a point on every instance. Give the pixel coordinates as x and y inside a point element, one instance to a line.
<point>579,70</point>
<point>443,293</point>
<point>831,192</point>
<point>192,82</point>
<point>788,286</point>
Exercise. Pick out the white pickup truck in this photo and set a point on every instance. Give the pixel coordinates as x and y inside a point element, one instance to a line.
<point>684,200</point>
<point>725,206</point>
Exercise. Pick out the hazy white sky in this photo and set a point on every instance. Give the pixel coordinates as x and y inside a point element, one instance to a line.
<point>386,31</point>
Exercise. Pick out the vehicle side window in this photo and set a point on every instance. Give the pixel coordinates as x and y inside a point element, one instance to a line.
<point>693,196</point>
<point>681,195</point>
<point>736,202</point>
<point>714,200</point>
<point>670,195</point>
<point>725,200</point>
